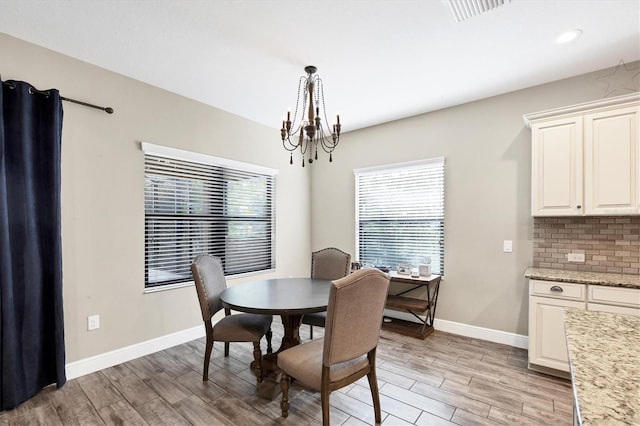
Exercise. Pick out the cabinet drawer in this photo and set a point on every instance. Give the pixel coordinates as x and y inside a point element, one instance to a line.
<point>624,310</point>
<point>557,290</point>
<point>620,296</point>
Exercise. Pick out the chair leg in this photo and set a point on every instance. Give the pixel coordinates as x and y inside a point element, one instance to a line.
<point>285,381</point>
<point>324,395</point>
<point>324,398</point>
<point>207,352</point>
<point>310,332</point>
<point>257,356</point>
<point>373,385</point>
<point>226,349</point>
<point>269,335</point>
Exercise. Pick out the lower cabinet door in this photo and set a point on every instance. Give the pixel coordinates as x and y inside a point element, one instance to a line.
<point>547,343</point>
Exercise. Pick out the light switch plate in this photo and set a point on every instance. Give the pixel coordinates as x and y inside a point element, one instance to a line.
<point>508,246</point>
<point>93,322</point>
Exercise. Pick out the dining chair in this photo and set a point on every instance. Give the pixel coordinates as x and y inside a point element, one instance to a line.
<point>347,351</point>
<point>327,264</point>
<point>208,276</point>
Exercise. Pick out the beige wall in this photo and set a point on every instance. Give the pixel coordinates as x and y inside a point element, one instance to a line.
<point>102,194</point>
<point>487,150</point>
<point>487,193</point>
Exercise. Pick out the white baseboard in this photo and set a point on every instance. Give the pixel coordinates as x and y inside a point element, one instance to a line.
<point>118,356</point>
<point>491,335</point>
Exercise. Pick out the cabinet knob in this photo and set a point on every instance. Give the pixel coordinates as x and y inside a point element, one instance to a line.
<point>556,288</point>
<point>578,206</point>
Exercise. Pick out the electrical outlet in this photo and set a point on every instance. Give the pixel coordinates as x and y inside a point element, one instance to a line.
<point>575,257</point>
<point>93,322</point>
<point>507,246</point>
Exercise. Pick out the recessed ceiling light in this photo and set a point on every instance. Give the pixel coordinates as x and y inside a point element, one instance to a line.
<point>568,36</point>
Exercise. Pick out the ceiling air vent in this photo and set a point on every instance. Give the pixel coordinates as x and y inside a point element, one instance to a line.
<point>465,9</point>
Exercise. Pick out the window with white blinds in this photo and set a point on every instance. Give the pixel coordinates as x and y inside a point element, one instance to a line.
<point>400,214</point>
<point>197,204</point>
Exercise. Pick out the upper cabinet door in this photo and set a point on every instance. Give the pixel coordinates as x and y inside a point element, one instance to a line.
<point>611,172</point>
<point>586,158</point>
<point>557,167</point>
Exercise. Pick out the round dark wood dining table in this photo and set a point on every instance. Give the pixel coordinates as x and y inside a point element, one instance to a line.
<point>290,298</point>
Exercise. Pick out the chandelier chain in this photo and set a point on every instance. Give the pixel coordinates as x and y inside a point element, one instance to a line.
<point>295,115</point>
<point>326,144</point>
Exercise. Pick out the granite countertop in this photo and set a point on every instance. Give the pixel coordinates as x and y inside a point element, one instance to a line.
<point>605,366</point>
<point>593,278</point>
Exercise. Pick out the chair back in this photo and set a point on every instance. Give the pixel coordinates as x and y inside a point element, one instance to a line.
<point>330,264</point>
<point>209,280</point>
<point>354,315</point>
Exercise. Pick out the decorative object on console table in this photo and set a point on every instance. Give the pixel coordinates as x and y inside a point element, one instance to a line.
<point>404,268</point>
<point>414,306</point>
<point>424,269</point>
<point>383,268</point>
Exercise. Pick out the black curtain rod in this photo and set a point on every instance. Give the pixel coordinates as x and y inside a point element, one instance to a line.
<point>108,110</point>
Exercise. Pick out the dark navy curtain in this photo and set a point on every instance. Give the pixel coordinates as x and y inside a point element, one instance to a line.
<point>32,335</point>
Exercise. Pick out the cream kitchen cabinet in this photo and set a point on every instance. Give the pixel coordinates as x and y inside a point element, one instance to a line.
<point>586,159</point>
<point>552,291</point>
<point>547,302</point>
<point>548,299</point>
<point>611,162</point>
<point>616,300</point>
<point>556,172</point>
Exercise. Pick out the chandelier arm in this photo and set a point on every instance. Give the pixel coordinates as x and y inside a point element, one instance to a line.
<point>288,145</point>
<point>304,147</point>
<point>328,146</point>
<point>326,141</point>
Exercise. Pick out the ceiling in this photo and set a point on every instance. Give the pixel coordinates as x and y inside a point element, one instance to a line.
<point>380,60</point>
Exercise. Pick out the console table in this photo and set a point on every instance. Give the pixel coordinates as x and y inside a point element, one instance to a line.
<point>415,306</point>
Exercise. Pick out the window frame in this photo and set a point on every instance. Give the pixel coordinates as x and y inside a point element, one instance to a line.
<point>419,165</point>
<point>224,168</point>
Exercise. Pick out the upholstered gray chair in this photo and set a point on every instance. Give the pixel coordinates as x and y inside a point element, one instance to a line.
<point>208,276</point>
<point>347,351</point>
<point>326,264</point>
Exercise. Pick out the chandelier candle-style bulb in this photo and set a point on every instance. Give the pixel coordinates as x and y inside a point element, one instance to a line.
<point>315,130</point>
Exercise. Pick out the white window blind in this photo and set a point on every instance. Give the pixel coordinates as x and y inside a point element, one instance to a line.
<point>200,204</point>
<point>400,214</point>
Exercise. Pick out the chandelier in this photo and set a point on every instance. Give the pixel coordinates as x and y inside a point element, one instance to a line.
<point>307,134</point>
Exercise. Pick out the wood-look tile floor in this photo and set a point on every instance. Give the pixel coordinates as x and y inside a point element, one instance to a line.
<point>443,380</point>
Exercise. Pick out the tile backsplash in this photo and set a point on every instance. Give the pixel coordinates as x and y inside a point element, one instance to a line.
<point>609,243</point>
